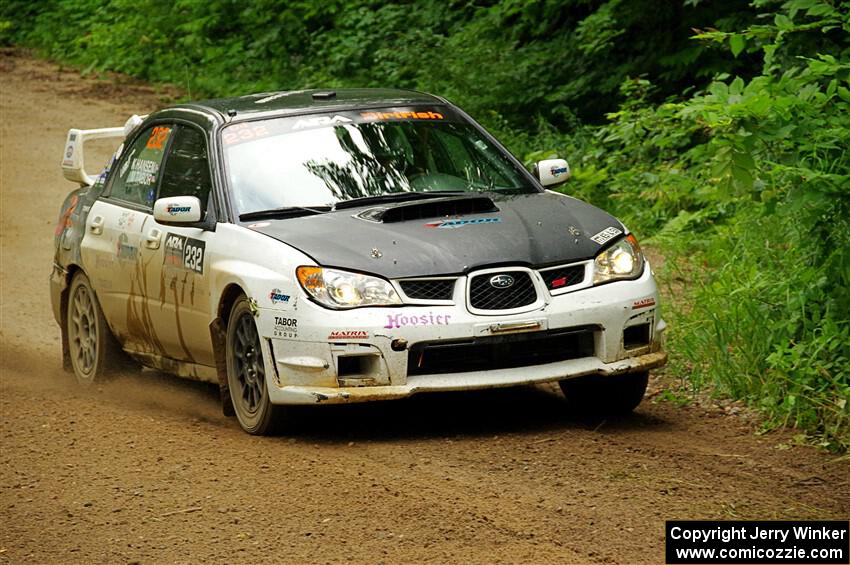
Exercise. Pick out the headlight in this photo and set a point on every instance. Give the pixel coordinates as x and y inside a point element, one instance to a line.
<point>623,260</point>
<point>341,289</point>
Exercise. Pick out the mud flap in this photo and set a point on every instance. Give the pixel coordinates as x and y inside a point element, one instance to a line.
<point>63,330</point>
<point>219,341</point>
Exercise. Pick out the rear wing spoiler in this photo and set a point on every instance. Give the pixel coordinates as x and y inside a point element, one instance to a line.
<point>73,157</point>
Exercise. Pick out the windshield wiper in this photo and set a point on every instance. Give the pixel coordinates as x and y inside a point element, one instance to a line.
<point>395,197</point>
<point>284,212</point>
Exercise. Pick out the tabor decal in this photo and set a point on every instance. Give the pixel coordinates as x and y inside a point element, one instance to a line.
<point>285,327</point>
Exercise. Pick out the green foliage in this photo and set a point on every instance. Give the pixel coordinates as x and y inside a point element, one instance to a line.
<point>747,185</point>
<point>508,61</point>
<point>729,143</point>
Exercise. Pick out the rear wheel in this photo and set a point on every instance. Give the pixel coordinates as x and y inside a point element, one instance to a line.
<point>246,373</point>
<point>94,351</point>
<point>605,396</point>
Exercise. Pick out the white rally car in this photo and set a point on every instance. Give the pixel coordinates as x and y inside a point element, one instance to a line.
<point>324,247</point>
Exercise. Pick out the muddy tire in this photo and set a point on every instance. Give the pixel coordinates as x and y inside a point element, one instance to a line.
<point>94,352</point>
<point>246,373</point>
<point>605,396</point>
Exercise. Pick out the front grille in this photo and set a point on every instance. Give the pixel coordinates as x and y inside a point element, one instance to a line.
<point>500,352</point>
<point>434,289</point>
<point>562,277</point>
<point>484,296</point>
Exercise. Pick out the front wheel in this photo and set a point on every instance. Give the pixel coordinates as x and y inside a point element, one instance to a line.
<point>605,396</point>
<point>246,373</point>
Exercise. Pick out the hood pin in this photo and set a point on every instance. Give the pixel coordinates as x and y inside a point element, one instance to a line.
<point>376,253</point>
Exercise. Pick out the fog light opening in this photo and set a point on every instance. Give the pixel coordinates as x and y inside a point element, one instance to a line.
<point>637,336</point>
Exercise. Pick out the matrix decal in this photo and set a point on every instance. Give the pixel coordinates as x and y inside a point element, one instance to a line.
<point>184,253</point>
<point>606,235</point>
<point>348,334</point>
<point>643,303</point>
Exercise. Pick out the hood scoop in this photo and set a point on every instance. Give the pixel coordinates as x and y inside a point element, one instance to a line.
<point>433,208</point>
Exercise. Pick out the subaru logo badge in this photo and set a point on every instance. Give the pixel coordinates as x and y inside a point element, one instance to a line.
<point>502,281</point>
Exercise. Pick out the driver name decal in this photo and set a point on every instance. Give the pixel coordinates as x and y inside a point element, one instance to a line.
<point>184,253</point>
<point>606,235</point>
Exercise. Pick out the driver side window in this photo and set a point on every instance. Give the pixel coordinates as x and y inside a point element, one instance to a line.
<point>187,169</point>
<point>137,174</point>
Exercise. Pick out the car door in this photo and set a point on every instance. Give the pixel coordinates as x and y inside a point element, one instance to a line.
<point>177,267</point>
<point>110,247</point>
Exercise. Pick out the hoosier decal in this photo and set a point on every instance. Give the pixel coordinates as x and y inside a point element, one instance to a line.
<point>184,253</point>
<point>428,319</point>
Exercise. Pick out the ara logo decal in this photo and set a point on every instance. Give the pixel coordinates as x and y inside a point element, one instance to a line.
<point>606,235</point>
<point>557,171</point>
<point>184,253</point>
<point>451,224</point>
<point>320,121</point>
<point>277,296</point>
<point>174,209</point>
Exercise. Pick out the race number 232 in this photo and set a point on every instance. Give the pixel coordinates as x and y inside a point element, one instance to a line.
<point>193,255</point>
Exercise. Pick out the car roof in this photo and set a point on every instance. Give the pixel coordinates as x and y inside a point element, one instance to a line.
<point>308,101</point>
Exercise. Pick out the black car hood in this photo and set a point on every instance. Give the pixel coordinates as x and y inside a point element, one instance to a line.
<point>533,230</point>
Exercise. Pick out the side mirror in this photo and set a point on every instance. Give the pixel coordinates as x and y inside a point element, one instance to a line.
<point>551,172</point>
<point>178,211</point>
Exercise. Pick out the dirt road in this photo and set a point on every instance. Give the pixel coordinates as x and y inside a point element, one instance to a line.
<point>146,470</point>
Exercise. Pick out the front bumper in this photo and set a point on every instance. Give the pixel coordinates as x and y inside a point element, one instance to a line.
<point>494,378</point>
<point>322,356</point>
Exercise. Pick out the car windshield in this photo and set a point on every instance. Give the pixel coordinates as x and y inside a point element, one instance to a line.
<point>318,160</point>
